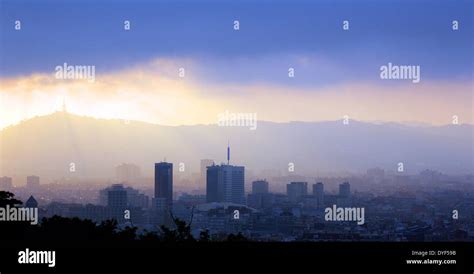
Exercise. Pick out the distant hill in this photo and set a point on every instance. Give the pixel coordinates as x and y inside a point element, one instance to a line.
<point>46,145</point>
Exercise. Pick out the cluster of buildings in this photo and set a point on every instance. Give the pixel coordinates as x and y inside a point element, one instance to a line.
<point>263,215</point>
<point>32,183</point>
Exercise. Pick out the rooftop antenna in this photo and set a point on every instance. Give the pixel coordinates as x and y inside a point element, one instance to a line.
<point>228,152</point>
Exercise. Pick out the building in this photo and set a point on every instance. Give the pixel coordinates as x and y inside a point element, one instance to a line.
<point>31,202</point>
<point>127,173</point>
<point>204,164</point>
<point>215,217</point>
<point>117,197</point>
<point>137,199</point>
<point>160,212</point>
<point>214,185</point>
<point>345,190</point>
<point>32,182</point>
<point>134,197</point>
<point>164,182</point>
<point>259,187</point>
<point>261,200</point>
<point>260,197</point>
<point>296,191</point>
<point>318,193</point>
<point>6,183</point>
<point>160,204</point>
<point>225,183</point>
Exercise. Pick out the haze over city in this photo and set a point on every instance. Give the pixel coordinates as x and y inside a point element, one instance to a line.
<point>200,121</point>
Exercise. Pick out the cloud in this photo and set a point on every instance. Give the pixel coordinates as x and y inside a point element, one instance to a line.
<point>154,92</point>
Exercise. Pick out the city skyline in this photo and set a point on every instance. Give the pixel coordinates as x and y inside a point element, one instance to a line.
<point>321,210</point>
<point>358,208</point>
<point>351,125</point>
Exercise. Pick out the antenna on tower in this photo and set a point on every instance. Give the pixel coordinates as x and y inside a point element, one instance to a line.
<point>228,152</point>
<point>64,105</point>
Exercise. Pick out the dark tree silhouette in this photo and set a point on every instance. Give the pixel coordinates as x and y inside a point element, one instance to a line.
<point>13,230</point>
<point>65,231</point>
<point>237,238</point>
<point>127,234</point>
<point>149,236</point>
<point>204,236</point>
<point>7,198</point>
<point>182,233</point>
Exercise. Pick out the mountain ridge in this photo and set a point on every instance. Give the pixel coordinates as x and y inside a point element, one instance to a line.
<point>405,124</point>
<point>46,145</point>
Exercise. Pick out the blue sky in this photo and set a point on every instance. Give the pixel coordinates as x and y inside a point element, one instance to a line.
<point>273,36</point>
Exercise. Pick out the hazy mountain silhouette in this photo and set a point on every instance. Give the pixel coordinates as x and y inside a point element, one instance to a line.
<point>46,146</point>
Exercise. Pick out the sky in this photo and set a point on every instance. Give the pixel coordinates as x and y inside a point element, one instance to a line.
<point>337,72</point>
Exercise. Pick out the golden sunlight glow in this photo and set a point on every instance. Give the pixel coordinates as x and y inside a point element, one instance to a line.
<point>154,93</point>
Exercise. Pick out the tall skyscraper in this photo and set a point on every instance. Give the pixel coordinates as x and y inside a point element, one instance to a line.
<point>345,190</point>
<point>32,182</point>
<point>225,183</point>
<point>259,187</point>
<point>318,193</point>
<point>296,191</point>
<point>204,164</point>
<point>164,182</point>
<point>6,183</point>
<point>214,185</point>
